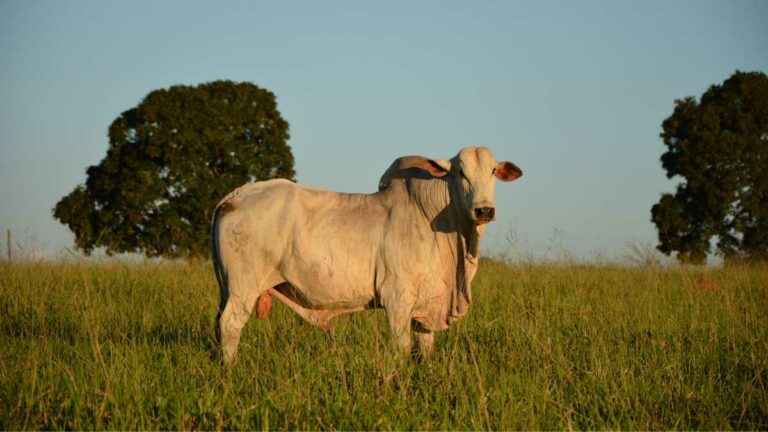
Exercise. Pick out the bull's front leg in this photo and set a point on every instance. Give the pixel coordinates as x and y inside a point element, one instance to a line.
<point>399,310</point>
<point>400,325</point>
<point>425,341</point>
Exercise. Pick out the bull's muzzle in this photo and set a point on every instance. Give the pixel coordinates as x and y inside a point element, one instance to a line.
<point>484,214</point>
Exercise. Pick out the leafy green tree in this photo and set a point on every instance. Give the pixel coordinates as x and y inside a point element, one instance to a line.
<point>169,161</point>
<point>719,146</point>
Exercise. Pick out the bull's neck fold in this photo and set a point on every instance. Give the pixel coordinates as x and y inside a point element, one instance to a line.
<point>454,234</point>
<point>441,207</point>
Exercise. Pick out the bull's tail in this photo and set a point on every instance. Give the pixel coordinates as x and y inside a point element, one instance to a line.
<point>218,266</point>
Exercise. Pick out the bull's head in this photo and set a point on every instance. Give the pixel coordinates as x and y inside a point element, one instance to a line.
<point>470,176</point>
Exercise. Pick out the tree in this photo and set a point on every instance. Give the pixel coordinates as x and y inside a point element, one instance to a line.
<point>170,160</point>
<point>719,146</point>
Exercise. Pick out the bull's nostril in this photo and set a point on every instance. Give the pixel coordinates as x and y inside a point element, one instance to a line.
<point>485,212</point>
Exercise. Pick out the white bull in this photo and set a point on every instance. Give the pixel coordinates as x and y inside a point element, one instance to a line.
<point>411,248</point>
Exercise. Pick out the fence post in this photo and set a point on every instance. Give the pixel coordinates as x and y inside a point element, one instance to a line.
<point>8,242</point>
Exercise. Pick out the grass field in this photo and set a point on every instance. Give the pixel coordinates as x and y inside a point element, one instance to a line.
<point>545,346</point>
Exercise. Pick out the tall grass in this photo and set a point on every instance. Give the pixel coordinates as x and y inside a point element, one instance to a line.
<point>128,346</point>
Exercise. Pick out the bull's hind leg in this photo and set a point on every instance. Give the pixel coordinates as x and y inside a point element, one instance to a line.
<point>232,319</point>
<point>236,309</point>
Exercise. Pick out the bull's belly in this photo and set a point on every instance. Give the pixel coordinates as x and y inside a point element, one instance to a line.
<point>330,281</point>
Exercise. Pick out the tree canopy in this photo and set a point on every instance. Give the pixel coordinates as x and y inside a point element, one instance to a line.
<point>719,147</point>
<point>170,160</point>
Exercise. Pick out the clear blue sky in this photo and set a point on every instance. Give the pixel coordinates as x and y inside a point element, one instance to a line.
<point>572,92</point>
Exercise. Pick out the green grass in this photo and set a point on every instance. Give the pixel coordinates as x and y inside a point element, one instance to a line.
<point>128,346</point>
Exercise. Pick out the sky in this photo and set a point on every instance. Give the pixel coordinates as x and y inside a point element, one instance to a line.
<point>574,93</point>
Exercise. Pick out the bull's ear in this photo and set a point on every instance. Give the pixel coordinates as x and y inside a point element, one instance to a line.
<point>436,167</point>
<point>507,171</point>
